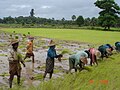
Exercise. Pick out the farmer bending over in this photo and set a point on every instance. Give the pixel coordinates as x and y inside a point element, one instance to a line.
<point>117,46</point>
<point>78,60</point>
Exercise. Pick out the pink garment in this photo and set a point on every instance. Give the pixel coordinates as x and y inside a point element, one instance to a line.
<point>92,52</point>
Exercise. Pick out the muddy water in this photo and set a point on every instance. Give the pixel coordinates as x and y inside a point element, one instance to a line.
<point>40,51</point>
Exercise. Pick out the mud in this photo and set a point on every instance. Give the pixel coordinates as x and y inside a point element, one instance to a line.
<point>40,51</point>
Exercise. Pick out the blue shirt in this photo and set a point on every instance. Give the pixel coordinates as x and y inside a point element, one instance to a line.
<point>51,53</point>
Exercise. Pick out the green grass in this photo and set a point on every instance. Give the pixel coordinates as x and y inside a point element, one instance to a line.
<point>80,35</point>
<point>104,77</point>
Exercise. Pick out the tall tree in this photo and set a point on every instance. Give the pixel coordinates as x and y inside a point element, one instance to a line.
<point>8,20</point>
<point>63,21</point>
<point>80,20</point>
<point>118,23</point>
<point>32,12</point>
<point>73,17</point>
<point>87,21</point>
<point>109,14</point>
<point>93,21</point>
<point>1,21</point>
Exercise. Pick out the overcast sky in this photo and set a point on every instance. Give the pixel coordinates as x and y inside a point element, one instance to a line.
<point>50,8</point>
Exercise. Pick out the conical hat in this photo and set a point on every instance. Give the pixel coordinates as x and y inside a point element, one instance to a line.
<point>52,43</point>
<point>13,41</point>
<point>97,53</point>
<point>31,38</point>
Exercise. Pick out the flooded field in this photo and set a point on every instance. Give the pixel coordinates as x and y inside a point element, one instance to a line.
<point>40,51</point>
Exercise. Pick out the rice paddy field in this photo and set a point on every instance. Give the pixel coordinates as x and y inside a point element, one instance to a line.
<point>105,76</point>
<point>81,35</point>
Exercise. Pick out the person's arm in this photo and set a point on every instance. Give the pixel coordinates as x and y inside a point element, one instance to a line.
<point>10,56</point>
<point>20,59</point>
<point>77,64</point>
<point>28,46</point>
<point>52,54</point>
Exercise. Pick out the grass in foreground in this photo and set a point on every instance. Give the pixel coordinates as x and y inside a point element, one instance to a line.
<point>103,77</point>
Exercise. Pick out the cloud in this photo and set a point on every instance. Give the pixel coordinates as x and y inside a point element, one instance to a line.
<point>14,8</point>
<point>50,8</point>
<point>46,7</point>
<point>11,9</point>
<point>20,6</point>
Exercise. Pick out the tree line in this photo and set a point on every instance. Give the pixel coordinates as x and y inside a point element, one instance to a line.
<point>80,21</point>
<point>108,17</point>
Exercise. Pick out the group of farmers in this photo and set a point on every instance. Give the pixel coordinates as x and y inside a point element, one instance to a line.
<point>76,61</point>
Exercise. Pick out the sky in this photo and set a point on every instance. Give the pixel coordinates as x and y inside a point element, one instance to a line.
<point>50,8</point>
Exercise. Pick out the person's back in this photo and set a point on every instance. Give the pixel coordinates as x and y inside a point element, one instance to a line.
<point>117,46</point>
<point>30,47</point>
<point>76,60</point>
<point>29,52</point>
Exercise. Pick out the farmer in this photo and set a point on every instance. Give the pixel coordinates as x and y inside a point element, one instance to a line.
<point>94,54</point>
<point>29,52</point>
<point>14,58</point>
<point>111,48</point>
<point>78,60</point>
<point>51,55</point>
<point>117,46</point>
<point>105,50</point>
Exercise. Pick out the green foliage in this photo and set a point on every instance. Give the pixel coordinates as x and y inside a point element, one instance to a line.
<point>88,68</point>
<point>87,21</point>
<point>14,32</point>
<point>27,60</point>
<point>65,51</point>
<point>2,55</point>
<point>93,21</point>
<point>10,35</point>
<point>4,74</point>
<point>56,71</point>
<point>80,20</point>
<point>29,33</point>
<point>108,16</point>
<point>73,17</point>
<point>38,76</point>
<point>101,78</point>
<point>36,22</point>
<point>16,37</point>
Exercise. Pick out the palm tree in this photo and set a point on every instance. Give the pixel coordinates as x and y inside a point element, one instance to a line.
<point>73,17</point>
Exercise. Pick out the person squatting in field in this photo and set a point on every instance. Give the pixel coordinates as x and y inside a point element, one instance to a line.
<point>78,60</point>
<point>14,58</point>
<point>51,55</point>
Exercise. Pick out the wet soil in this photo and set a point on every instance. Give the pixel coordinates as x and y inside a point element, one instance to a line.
<point>40,51</point>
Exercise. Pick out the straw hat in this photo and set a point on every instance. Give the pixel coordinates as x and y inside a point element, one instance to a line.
<point>108,50</point>
<point>31,38</point>
<point>52,43</point>
<point>83,59</point>
<point>97,53</point>
<point>13,41</point>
